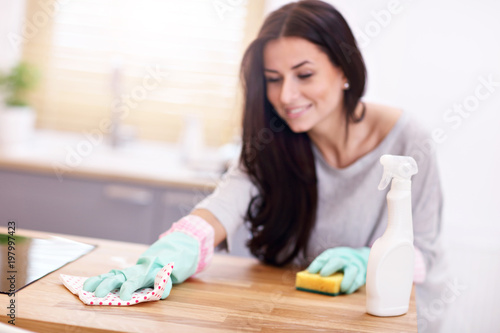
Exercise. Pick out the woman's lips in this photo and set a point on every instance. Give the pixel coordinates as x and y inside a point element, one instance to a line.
<point>296,112</point>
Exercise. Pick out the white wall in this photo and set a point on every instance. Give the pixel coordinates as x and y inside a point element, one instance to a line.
<point>11,19</point>
<point>428,57</point>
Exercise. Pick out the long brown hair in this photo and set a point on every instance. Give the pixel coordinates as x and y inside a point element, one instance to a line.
<point>278,161</point>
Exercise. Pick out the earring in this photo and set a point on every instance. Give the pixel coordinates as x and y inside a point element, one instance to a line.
<point>346,85</point>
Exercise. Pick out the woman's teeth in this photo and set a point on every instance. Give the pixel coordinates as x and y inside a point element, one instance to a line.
<point>297,110</point>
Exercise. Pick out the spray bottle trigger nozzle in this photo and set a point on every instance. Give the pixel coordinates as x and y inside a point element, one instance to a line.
<point>386,179</point>
<point>400,167</point>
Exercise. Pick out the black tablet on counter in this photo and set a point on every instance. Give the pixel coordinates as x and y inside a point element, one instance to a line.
<point>23,260</point>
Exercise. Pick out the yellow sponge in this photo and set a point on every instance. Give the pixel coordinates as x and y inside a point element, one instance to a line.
<point>315,283</point>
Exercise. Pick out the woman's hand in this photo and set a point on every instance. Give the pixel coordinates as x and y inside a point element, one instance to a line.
<point>188,244</point>
<point>128,280</point>
<point>176,247</point>
<point>352,262</point>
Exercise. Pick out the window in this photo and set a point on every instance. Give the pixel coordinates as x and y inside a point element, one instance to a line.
<point>157,62</point>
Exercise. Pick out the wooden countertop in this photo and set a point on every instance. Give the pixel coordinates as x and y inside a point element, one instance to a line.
<point>62,155</point>
<point>233,295</point>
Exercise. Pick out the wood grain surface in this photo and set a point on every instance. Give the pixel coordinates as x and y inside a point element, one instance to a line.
<point>233,295</point>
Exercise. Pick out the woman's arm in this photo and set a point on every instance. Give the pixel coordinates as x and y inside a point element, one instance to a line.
<point>226,207</point>
<point>219,230</point>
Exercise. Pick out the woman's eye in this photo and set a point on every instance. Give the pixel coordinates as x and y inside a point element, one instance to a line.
<point>272,79</point>
<point>304,76</point>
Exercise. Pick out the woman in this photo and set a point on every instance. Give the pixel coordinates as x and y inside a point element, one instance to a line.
<point>307,179</point>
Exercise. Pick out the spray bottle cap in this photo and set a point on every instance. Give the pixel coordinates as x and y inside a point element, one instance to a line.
<point>398,167</point>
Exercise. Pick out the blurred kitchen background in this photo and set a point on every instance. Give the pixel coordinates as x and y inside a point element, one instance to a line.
<point>136,114</point>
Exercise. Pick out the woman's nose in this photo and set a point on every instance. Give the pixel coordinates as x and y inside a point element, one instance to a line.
<point>289,91</point>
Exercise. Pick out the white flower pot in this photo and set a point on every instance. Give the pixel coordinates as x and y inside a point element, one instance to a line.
<point>17,124</point>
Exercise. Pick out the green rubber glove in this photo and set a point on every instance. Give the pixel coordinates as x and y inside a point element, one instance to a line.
<point>353,262</point>
<point>175,247</point>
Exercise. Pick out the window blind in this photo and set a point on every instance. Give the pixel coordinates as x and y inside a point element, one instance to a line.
<point>159,61</point>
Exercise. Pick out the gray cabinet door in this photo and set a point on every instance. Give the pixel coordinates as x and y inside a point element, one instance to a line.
<point>77,206</point>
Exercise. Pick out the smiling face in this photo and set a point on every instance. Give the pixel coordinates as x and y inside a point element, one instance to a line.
<point>304,87</point>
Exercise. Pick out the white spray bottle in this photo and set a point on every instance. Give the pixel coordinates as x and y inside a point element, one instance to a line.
<point>389,276</point>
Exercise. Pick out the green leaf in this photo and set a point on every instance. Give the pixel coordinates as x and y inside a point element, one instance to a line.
<point>18,82</point>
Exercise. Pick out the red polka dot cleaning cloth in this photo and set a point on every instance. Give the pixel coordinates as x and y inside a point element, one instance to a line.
<point>75,285</point>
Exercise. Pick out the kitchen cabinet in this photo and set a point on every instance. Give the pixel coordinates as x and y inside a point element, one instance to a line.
<point>116,210</point>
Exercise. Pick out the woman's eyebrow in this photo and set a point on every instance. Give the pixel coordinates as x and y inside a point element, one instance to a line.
<point>294,67</point>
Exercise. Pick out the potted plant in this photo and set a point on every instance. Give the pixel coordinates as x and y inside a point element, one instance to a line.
<point>17,118</point>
